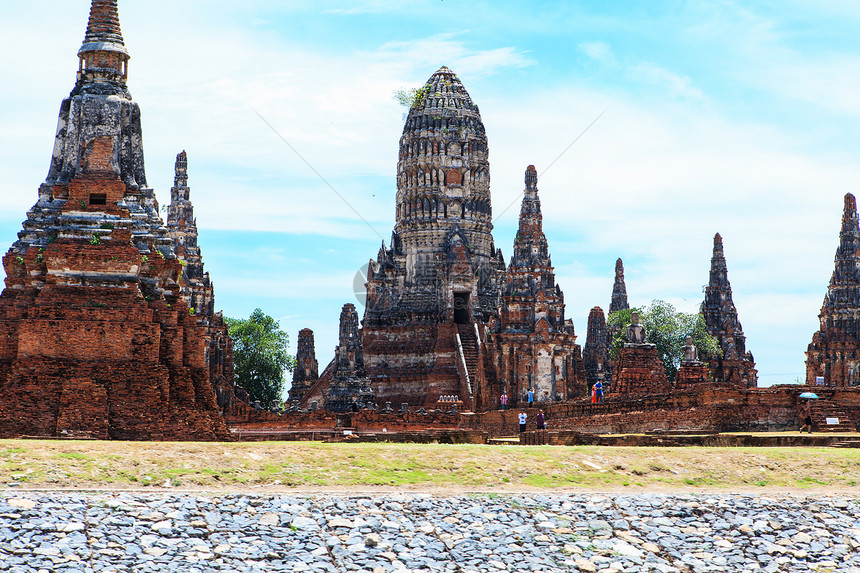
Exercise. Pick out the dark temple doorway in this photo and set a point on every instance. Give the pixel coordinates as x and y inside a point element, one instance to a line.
<point>461,308</point>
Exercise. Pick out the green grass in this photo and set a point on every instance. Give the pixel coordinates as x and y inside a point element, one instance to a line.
<point>422,467</point>
<point>74,456</point>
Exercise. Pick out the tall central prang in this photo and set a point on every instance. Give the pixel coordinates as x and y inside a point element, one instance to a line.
<point>441,276</point>
<point>441,251</point>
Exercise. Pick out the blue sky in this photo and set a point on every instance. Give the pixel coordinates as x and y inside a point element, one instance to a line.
<point>738,118</point>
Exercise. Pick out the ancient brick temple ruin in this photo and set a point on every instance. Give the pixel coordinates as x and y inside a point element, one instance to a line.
<point>595,354</point>
<point>833,356</point>
<point>349,387</point>
<point>531,345</point>
<point>107,327</point>
<point>736,366</point>
<point>446,320</point>
<point>619,290</point>
<point>439,281</point>
<point>306,372</point>
<point>599,365</point>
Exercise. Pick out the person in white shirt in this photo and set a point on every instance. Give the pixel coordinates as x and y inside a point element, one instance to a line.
<point>523,417</point>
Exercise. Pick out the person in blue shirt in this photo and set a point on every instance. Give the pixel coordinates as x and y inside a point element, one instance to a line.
<point>531,395</point>
<point>598,391</point>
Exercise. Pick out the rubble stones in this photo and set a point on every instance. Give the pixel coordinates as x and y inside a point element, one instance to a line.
<point>413,532</point>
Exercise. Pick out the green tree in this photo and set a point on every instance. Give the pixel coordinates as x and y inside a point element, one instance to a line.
<point>411,97</point>
<point>260,356</point>
<point>666,328</point>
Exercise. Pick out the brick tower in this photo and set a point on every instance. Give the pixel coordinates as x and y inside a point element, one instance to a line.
<point>349,387</point>
<point>736,367</point>
<point>306,372</point>
<point>534,344</point>
<point>834,353</point>
<point>619,290</point>
<point>96,337</point>
<point>595,354</point>
<point>441,276</point>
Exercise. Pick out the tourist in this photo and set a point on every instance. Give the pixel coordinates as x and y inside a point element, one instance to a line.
<point>539,421</point>
<point>531,397</point>
<point>594,394</point>
<point>806,416</point>
<point>504,400</point>
<point>598,391</point>
<point>523,417</point>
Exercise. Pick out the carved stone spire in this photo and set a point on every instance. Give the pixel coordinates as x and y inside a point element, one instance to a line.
<point>530,271</point>
<point>441,255</point>
<point>103,55</point>
<point>721,321</point>
<point>307,368</point>
<point>197,289</point>
<point>843,292</point>
<point>180,191</point>
<point>99,130</point>
<point>619,290</point>
<point>834,353</point>
<point>596,352</point>
<point>721,316</point>
<point>530,245</point>
<point>349,383</point>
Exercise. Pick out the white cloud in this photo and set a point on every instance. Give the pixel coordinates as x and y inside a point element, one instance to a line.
<point>674,84</point>
<point>599,51</point>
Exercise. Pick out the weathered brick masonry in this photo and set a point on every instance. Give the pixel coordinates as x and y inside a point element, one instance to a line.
<point>107,326</point>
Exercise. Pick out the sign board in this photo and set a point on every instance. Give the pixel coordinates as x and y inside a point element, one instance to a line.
<point>832,421</point>
<point>819,380</point>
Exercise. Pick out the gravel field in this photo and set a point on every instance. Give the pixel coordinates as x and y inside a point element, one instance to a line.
<point>378,533</point>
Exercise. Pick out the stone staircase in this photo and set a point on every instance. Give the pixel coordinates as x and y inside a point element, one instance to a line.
<point>851,443</point>
<point>823,409</point>
<point>470,349</point>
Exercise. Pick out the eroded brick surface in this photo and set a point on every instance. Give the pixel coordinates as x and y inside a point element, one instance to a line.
<point>833,356</point>
<point>736,366</point>
<point>107,326</point>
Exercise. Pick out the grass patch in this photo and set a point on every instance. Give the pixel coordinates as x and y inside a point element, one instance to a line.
<point>74,456</point>
<point>422,467</point>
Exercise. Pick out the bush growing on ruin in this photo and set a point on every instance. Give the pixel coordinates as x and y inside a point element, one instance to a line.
<point>412,97</point>
<point>260,357</point>
<point>667,328</point>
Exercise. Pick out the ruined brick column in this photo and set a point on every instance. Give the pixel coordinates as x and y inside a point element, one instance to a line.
<point>834,353</point>
<point>441,275</point>
<point>619,290</point>
<point>692,371</point>
<point>532,343</point>
<point>96,338</point>
<point>595,354</point>
<point>197,291</point>
<point>639,369</point>
<point>349,384</point>
<point>736,367</point>
<point>306,372</point>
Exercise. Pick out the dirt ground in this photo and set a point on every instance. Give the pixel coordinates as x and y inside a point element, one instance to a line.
<point>432,468</point>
